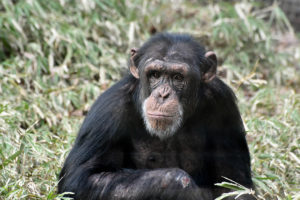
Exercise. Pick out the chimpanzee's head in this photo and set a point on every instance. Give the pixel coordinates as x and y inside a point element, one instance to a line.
<point>171,69</point>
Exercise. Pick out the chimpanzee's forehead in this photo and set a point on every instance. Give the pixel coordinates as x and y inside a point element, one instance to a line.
<point>178,53</point>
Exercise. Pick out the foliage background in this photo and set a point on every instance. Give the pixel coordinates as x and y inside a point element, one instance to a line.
<point>57,56</point>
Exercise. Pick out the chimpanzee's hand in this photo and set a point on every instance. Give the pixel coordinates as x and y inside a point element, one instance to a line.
<point>174,183</point>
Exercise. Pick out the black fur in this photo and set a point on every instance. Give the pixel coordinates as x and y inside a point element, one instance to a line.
<point>115,158</point>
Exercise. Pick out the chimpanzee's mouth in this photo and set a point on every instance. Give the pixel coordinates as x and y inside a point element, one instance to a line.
<point>159,115</point>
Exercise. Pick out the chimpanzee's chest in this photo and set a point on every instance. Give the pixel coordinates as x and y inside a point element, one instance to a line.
<point>182,150</point>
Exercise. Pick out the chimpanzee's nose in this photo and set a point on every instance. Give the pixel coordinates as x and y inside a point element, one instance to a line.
<point>164,92</point>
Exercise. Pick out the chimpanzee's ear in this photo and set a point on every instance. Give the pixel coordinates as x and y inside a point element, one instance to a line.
<point>212,68</point>
<point>133,69</point>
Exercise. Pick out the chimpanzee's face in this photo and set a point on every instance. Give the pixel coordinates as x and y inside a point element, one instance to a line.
<point>162,109</point>
<point>170,78</point>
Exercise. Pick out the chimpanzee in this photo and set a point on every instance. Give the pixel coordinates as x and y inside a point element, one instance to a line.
<point>168,130</point>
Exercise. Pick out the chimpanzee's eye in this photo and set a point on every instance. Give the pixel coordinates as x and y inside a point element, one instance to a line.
<point>178,77</point>
<point>155,74</point>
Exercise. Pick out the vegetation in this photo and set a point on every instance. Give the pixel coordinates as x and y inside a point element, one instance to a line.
<point>56,57</point>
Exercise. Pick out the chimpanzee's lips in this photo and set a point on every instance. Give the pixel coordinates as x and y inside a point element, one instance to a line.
<point>159,115</point>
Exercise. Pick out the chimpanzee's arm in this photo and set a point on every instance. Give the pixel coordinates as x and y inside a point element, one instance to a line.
<point>139,185</point>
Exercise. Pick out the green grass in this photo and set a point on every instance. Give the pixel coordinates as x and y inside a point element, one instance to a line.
<point>56,57</point>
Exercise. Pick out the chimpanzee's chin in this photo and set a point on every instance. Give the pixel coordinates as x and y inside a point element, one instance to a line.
<point>162,128</point>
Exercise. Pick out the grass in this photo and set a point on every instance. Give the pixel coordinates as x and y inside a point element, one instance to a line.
<point>56,57</point>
